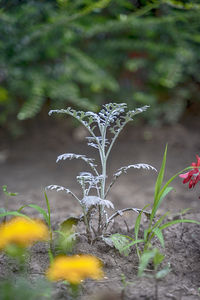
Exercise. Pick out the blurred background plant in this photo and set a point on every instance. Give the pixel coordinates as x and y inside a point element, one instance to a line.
<point>84,53</point>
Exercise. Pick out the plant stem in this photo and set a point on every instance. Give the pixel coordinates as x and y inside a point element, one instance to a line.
<point>6,208</point>
<point>156,289</point>
<point>74,291</point>
<point>88,231</point>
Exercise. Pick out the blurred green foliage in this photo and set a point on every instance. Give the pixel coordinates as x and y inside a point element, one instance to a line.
<point>85,52</point>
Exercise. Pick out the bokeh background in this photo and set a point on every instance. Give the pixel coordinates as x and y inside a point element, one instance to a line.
<point>82,53</point>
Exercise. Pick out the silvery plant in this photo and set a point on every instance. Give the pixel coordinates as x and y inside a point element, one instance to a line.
<point>104,128</point>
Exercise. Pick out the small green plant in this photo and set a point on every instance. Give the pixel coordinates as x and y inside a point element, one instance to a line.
<point>62,240</point>
<point>4,212</point>
<point>47,218</point>
<point>125,283</point>
<point>21,288</point>
<point>155,226</point>
<point>46,214</point>
<point>7,196</point>
<point>156,258</point>
<point>104,128</point>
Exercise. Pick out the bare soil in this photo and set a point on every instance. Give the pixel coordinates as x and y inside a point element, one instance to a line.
<point>28,166</point>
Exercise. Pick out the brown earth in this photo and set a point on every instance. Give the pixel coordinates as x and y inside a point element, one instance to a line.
<point>28,166</point>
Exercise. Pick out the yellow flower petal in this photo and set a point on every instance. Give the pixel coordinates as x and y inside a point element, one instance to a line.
<point>22,232</point>
<point>74,269</point>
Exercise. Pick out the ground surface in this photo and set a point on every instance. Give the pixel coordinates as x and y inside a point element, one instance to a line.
<point>28,166</point>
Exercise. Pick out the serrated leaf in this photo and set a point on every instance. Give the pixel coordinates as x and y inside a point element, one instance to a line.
<point>108,241</point>
<point>89,201</point>
<point>121,243</point>
<point>135,166</point>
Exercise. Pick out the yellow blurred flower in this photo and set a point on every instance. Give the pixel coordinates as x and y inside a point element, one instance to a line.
<point>74,269</point>
<point>22,232</point>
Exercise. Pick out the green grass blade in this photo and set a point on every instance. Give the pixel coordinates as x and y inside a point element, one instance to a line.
<point>184,211</point>
<point>160,221</point>
<point>48,208</point>
<point>19,209</point>
<point>158,185</point>
<point>144,260</point>
<point>39,209</point>
<point>160,177</point>
<point>133,243</point>
<point>178,221</point>
<point>159,235</point>
<point>171,179</point>
<point>138,221</point>
<point>160,193</point>
<point>161,196</point>
<point>14,213</point>
<point>137,225</point>
<point>137,228</point>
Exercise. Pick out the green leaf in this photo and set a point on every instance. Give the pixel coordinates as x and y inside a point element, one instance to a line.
<point>147,256</point>
<point>121,243</point>
<point>184,211</point>
<point>135,242</point>
<point>137,228</point>
<point>48,209</point>
<point>157,224</point>
<point>158,185</point>
<point>144,260</point>
<point>161,197</point>
<point>15,251</point>
<point>13,213</point>
<point>67,225</point>
<point>137,225</point>
<point>160,177</point>
<point>4,188</point>
<point>138,221</point>
<point>159,235</point>
<point>162,273</point>
<point>39,209</point>
<point>158,258</point>
<point>65,241</point>
<point>178,221</point>
<point>171,179</point>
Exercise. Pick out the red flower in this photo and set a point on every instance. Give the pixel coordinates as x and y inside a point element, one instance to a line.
<point>193,177</point>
